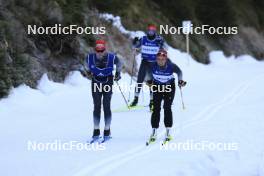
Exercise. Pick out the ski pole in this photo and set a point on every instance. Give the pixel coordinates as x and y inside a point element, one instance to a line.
<point>133,65</point>
<point>183,106</point>
<point>122,94</point>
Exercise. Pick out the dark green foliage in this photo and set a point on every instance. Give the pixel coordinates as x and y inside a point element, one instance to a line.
<point>176,10</point>
<point>22,71</point>
<point>73,10</point>
<point>259,9</point>
<point>112,6</point>
<point>5,80</point>
<point>15,73</point>
<point>215,12</point>
<point>89,39</point>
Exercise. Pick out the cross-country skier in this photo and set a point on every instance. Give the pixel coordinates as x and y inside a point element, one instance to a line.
<point>99,65</point>
<point>149,46</point>
<point>163,88</point>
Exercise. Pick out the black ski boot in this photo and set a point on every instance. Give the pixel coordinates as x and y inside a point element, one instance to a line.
<point>107,132</point>
<point>107,135</point>
<point>96,136</point>
<point>96,133</point>
<point>134,102</point>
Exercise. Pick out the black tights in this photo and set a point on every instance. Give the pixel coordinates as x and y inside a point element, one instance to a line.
<point>167,97</point>
<point>97,99</point>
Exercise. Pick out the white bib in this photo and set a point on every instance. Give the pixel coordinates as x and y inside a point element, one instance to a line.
<point>163,78</point>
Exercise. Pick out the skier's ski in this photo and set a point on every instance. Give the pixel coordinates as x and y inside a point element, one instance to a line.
<point>151,141</point>
<point>94,140</point>
<point>105,139</point>
<point>126,109</point>
<point>166,140</point>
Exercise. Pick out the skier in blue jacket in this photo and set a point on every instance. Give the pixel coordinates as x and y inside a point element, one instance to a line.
<point>99,66</point>
<point>149,46</point>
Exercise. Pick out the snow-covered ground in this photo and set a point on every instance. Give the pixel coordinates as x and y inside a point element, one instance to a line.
<point>224,105</point>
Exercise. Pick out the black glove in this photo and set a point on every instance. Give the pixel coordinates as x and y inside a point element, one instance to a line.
<point>86,74</point>
<point>149,83</point>
<point>89,75</point>
<point>117,76</point>
<point>182,83</point>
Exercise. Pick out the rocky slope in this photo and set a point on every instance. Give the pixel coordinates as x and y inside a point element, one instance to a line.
<point>24,58</point>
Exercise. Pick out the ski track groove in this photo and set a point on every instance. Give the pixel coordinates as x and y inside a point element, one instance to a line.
<point>204,115</point>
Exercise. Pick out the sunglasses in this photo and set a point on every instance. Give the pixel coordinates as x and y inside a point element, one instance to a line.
<point>99,51</point>
<point>162,54</point>
<point>151,32</point>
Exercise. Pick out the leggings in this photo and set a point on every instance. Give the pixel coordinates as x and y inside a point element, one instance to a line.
<point>98,97</point>
<point>167,97</point>
<point>144,73</point>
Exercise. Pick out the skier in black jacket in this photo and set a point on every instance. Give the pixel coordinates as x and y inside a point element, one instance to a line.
<point>163,88</point>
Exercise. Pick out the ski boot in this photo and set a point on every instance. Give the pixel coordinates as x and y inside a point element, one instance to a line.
<point>96,136</point>
<point>168,137</point>
<point>106,136</point>
<point>134,102</point>
<point>153,137</point>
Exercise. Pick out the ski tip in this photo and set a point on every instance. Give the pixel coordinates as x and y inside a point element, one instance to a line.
<point>105,140</point>
<point>93,140</point>
<point>90,142</point>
